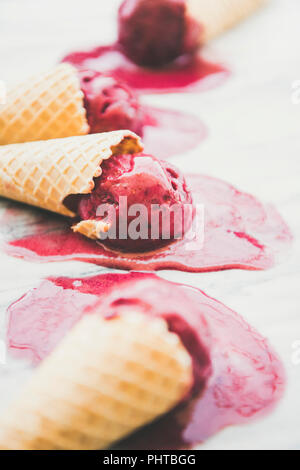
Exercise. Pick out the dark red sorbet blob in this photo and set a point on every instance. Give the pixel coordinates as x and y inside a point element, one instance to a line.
<point>155,32</point>
<point>188,73</point>
<point>139,179</point>
<point>111,105</point>
<point>239,232</point>
<point>237,377</point>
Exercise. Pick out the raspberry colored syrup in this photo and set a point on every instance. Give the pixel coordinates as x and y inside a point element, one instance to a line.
<point>168,133</point>
<point>239,233</point>
<point>246,380</point>
<point>188,73</point>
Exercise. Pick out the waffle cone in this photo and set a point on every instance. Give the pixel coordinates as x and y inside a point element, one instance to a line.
<point>44,173</point>
<point>91,228</point>
<point>47,106</point>
<point>106,379</point>
<point>217,16</point>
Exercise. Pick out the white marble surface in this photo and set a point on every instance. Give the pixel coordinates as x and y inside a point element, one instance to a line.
<point>254,143</point>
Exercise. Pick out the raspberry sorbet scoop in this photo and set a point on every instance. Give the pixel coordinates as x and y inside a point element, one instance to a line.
<point>144,203</point>
<point>155,32</point>
<point>110,105</point>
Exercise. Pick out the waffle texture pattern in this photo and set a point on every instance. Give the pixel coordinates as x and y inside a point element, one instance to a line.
<point>44,173</point>
<point>106,379</point>
<point>47,106</point>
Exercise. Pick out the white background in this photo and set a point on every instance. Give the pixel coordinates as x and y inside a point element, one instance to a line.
<point>254,143</point>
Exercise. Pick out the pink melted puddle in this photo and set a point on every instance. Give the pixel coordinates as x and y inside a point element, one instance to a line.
<point>165,133</point>
<point>169,133</point>
<point>186,74</point>
<point>239,232</point>
<point>247,378</point>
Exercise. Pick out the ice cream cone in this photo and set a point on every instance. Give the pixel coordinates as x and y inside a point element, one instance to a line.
<point>106,379</point>
<point>91,228</point>
<point>44,173</point>
<point>47,106</point>
<point>217,16</point>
